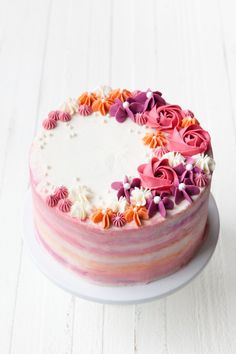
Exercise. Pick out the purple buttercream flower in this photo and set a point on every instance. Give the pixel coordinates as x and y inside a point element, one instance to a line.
<point>159,202</point>
<point>184,190</point>
<point>125,188</point>
<point>187,171</point>
<point>149,99</point>
<point>122,110</point>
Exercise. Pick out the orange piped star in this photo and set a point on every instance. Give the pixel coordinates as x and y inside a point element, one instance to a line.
<point>187,121</point>
<point>103,216</point>
<point>155,139</point>
<point>87,98</point>
<point>102,105</point>
<point>137,214</point>
<point>121,94</point>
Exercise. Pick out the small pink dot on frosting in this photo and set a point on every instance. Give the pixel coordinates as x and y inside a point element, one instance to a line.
<point>64,205</point>
<point>140,119</point>
<point>49,124</point>
<point>201,180</point>
<point>61,192</point>
<point>52,201</point>
<point>64,116</point>
<point>54,115</point>
<point>85,110</point>
<point>118,220</point>
<point>160,151</point>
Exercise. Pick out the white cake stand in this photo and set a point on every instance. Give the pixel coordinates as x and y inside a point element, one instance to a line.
<point>69,281</point>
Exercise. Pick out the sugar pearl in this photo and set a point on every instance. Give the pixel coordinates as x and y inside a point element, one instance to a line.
<point>181,186</point>
<point>189,167</point>
<point>156,199</point>
<point>126,186</point>
<point>125,104</point>
<point>149,94</point>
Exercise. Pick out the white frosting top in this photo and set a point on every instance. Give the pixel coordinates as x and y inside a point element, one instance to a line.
<point>91,151</point>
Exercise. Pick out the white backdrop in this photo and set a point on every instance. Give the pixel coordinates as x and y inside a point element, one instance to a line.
<point>50,50</point>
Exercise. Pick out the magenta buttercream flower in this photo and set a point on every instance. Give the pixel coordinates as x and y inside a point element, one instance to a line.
<point>184,190</point>
<point>149,99</point>
<point>187,171</point>
<point>159,202</point>
<point>122,110</point>
<point>158,175</point>
<point>125,188</point>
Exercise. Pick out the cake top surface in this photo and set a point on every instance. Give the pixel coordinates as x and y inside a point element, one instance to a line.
<point>116,158</point>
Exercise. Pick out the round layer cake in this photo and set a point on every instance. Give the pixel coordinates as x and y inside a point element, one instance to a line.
<point>120,184</point>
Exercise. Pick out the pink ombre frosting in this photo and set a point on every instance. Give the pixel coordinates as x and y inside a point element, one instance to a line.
<point>122,256</point>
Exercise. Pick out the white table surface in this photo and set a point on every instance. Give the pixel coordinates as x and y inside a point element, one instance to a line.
<point>50,50</point>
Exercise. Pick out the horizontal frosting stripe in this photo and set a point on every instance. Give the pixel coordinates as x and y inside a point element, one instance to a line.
<point>83,235</point>
<point>130,277</point>
<point>95,253</point>
<point>92,262</point>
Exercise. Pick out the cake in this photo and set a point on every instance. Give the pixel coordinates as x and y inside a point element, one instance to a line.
<point>120,185</point>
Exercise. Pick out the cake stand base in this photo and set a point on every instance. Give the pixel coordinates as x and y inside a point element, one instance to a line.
<point>69,281</point>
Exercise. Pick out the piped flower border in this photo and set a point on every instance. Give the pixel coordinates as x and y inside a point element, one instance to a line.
<point>181,165</point>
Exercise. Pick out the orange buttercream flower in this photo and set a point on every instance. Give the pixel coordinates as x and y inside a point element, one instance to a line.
<point>87,98</point>
<point>119,93</point>
<point>102,105</point>
<point>103,216</point>
<point>136,214</point>
<point>187,121</point>
<point>155,139</point>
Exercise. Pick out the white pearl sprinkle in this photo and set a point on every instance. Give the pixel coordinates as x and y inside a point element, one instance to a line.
<point>135,209</point>
<point>156,199</point>
<point>125,104</point>
<point>126,186</point>
<point>189,167</point>
<point>181,186</point>
<point>149,94</point>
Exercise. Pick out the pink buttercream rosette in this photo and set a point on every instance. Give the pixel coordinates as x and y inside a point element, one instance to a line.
<point>189,141</point>
<point>158,175</point>
<point>165,117</point>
